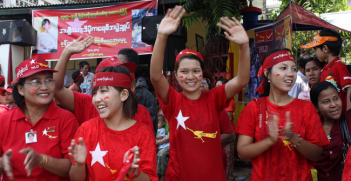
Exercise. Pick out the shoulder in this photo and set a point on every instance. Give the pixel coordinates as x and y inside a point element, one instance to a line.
<point>143,130</point>
<point>7,116</point>
<point>90,124</point>
<point>91,74</point>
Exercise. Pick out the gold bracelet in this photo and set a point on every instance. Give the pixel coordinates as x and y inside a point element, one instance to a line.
<point>45,160</point>
<point>49,161</point>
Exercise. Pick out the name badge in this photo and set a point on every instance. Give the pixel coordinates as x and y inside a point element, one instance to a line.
<point>31,137</point>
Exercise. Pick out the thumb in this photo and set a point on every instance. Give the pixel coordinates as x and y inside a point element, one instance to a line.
<point>25,151</point>
<point>288,120</point>
<point>81,141</point>
<point>9,153</point>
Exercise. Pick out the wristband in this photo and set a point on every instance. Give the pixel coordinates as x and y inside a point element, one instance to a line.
<point>298,144</point>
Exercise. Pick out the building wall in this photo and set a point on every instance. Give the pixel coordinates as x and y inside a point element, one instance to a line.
<point>195,29</point>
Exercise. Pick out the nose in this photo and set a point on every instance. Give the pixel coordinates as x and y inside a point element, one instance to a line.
<point>43,86</point>
<point>332,104</point>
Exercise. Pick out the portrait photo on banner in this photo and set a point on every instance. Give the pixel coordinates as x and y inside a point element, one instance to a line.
<point>47,34</point>
<point>137,16</point>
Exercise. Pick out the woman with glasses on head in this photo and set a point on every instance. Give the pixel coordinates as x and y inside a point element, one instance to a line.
<point>35,136</point>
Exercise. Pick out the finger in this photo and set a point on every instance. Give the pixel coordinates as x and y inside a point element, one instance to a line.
<point>25,151</point>
<point>288,124</point>
<point>226,35</point>
<point>28,157</point>
<point>81,141</point>
<point>6,161</point>
<point>168,12</point>
<point>229,22</point>
<point>79,38</point>
<point>175,12</point>
<point>236,21</point>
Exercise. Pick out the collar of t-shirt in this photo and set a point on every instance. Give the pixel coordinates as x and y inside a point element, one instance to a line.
<point>48,115</point>
<point>329,65</point>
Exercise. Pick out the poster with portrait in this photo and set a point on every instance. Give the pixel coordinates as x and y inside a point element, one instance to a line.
<point>261,40</point>
<point>113,28</point>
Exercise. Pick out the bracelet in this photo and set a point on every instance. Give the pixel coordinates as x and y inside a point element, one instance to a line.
<point>298,144</point>
<point>45,160</point>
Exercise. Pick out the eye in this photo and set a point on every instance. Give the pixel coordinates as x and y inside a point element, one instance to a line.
<point>325,102</point>
<point>295,69</point>
<point>336,98</point>
<point>283,68</point>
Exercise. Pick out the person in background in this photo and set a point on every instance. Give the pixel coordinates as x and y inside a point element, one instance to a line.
<point>146,99</point>
<point>87,85</point>
<point>327,44</point>
<point>2,84</point>
<point>52,128</point>
<point>129,55</point>
<point>7,92</point>
<point>66,82</point>
<point>301,83</point>
<point>313,69</point>
<point>346,175</point>
<point>78,79</point>
<point>231,105</point>
<point>163,149</point>
<point>46,42</point>
<point>337,126</point>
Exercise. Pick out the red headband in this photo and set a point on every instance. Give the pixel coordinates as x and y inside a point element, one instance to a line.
<point>111,79</point>
<point>188,52</point>
<point>270,61</point>
<point>77,78</point>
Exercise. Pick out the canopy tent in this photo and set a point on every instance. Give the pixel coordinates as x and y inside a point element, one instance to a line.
<point>304,20</point>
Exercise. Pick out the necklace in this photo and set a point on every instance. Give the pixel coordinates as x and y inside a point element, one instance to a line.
<point>329,137</point>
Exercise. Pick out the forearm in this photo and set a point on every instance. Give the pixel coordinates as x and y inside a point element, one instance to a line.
<point>78,172</point>
<point>227,138</point>
<point>159,137</point>
<point>253,150</point>
<point>157,58</point>
<point>244,64</point>
<point>142,177</point>
<point>60,167</point>
<point>307,149</point>
<point>61,68</point>
<point>163,141</point>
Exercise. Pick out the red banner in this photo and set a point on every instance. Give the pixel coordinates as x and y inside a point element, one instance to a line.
<point>113,28</point>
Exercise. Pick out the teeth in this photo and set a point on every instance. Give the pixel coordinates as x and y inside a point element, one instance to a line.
<point>288,81</point>
<point>43,94</point>
<point>190,83</point>
<point>101,107</point>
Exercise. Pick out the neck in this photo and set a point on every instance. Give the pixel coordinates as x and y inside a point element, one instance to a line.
<point>328,121</point>
<point>118,121</point>
<point>78,84</point>
<point>34,112</point>
<point>46,31</point>
<point>85,74</point>
<point>279,98</point>
<point>192,95</point>
<point>330,58</point>
<point>11,104</point>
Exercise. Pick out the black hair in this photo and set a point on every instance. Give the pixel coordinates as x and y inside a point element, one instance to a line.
<point>304,58</point>
<point>267,88</point>
<point>75,75</point>
<point>189,56</point>
<point>334,46</point>
<point>18,98</point>
<point>163,118</point>
<point>316,60</point>
<point>45,21</point>
<point>2,84</point>
<point>223,80</point>
<point>131,55</point>
<point>83,63</point>
<point>130,105</point>
<point>317,89</point>
<point>30,133</point>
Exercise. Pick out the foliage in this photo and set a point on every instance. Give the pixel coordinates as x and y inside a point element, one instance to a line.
<point>317,7</point>
<point>210,11</point>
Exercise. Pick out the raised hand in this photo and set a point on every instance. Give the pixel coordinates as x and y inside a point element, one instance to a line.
<point>79,45</point>
<point>170,22</point>
<point>234,31</point>
<point>78,153</point>
<point>136,160</point>
<point>32,159</point>
<point>287,130</point>
<point>273,128</point>
<point>6,164</point>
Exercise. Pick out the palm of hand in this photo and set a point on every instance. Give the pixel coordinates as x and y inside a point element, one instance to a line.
<point>75,47</point>
<point>80,154</point>
<point>238,35</point>
<point>168,25</point>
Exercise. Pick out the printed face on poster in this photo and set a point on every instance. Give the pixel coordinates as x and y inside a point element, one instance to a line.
<point>112,27</point>
<point>261,40</point>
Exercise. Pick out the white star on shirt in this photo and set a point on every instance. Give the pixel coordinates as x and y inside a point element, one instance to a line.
<point>97,155</point>
<point>33,61</point>
<point>181,120</point>
<point>45,132</point>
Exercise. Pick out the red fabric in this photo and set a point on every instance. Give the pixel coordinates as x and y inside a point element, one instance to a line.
<point>111,79</point>
<point>192,158</point>
<point>329,166</point>
<point>346,175</point>
<point>12,136</point>
<point>117,143</point>
<point>230,106</point>
<point>338,70</point>
<point>74,87</point>
<point>303,113</point>
<point>2,79</point>
<point>79,75</point>
<point>270,61</point>
<point>85,110</point>
<point>31,66</point>
<point>113,61</point>
<point>300,15</point>
<point>3,109</point>
<point>188,52</point>
<point>225,127</point>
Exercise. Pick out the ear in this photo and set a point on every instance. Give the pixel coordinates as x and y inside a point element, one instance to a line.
<point>326,49</point>
<point>20,89</point>
<point>124,95</point>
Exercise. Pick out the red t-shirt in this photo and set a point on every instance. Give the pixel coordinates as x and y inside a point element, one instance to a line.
<point>226,127</point>
<point>106,148</point>
<point>230,106</point>
<point>302,113</point>
<point>339,73</point>
<point>346,175</point>
<point>54,132</point>
<point>195,151</point>
<point>329,166</point>
<point>85,110</point>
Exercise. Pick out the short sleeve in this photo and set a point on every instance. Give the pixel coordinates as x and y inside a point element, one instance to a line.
<point>346,175</point>
<point>69,126</point>
<point>344,76</point>
<point>148,154</point>
<point>224,123</point>
<point>220,98</point>
<point>83,107</point>
<point>143,116</point>
<point>247,121</point>
<point>315,133</point>
<point>168,109</point>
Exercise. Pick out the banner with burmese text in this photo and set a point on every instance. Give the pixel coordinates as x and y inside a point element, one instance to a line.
<point>113,27</point>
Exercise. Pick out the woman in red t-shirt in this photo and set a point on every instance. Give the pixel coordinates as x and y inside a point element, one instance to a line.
<point>325,98</point>
<point>195,144</point>
<point>281,135</point>
<point>108,138</point>
<point>34,136</point>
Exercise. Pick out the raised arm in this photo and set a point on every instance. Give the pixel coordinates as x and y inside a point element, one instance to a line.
<point>237,34</point>
<point>168,25</point>
<point>65,96</point>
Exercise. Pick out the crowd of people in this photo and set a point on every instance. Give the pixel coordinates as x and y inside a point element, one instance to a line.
<point>112,125</point>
